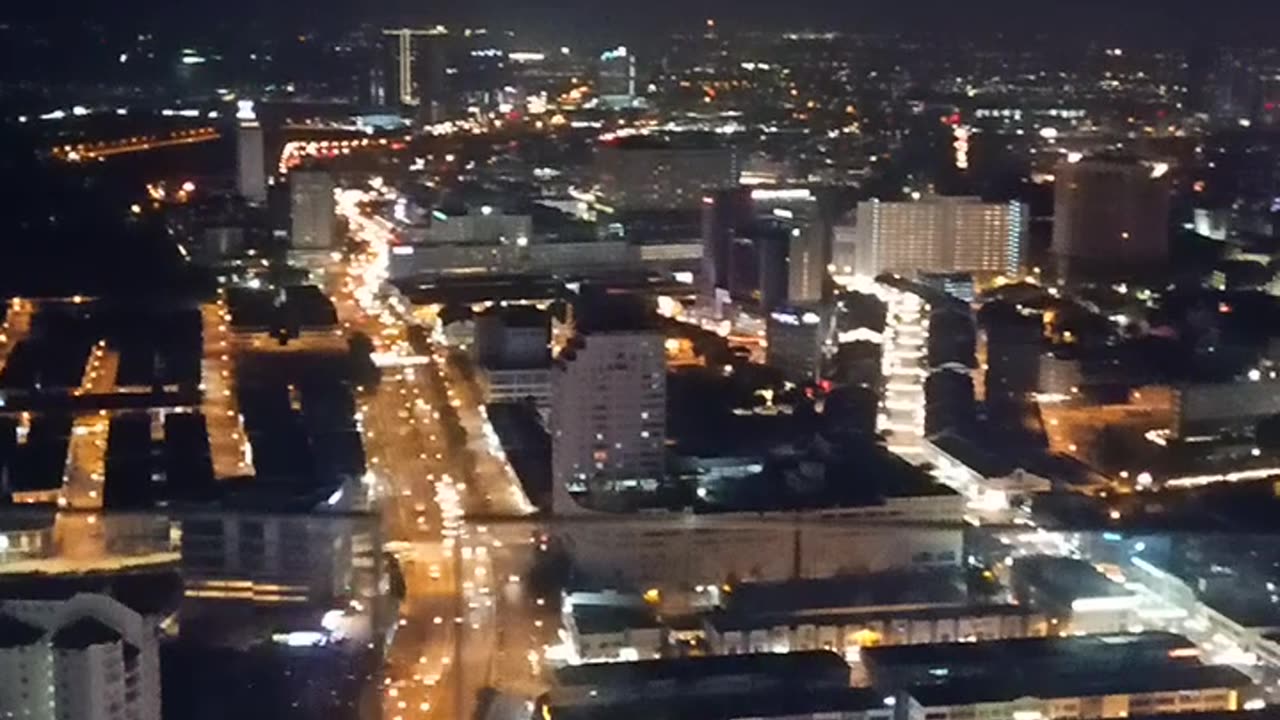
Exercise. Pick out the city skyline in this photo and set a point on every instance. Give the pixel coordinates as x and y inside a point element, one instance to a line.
<point>474,361</point>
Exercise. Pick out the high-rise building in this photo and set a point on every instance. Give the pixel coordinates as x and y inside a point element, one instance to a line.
<point>940,234</point>
<point>767,246</point>
<point>26,670</point>
<point>479,74</point>
<point>608,411</point>
<point>652,172</point>
<point>904,367</point>
<point>796,338</point>
<point>807,260</point>
<point>415,72</point>
<point>616,84</point>
<point>722,213</point>
<point>84,658</point>
<point>1013,342</point>
<point>311,210</point>
<point>251,161</point>
<point>1110,217</point>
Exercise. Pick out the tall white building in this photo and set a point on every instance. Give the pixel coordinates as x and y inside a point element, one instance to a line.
<point>26,670</point>
<point>940,234</point>
<point>904,361</point>
<point>608,414</point>
<point>251,161</point>
<point>84,658</point>
<point>311,210</point>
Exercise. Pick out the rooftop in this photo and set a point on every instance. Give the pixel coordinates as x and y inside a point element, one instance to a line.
<point>893,588</point>
<point>728,621</point>
<point>1088,684</point>
<point>997,654</point>
<point>972,454</point>
<point>928,293</point>
<point>84,633</point>
<point>792,666</point>
<point>517,316</point>
<point>820,477</point>
<point>1066,578</point>
<point>594,619</point>
<point>598,310</point>
<point>726,706</point>
<point>147,593</point>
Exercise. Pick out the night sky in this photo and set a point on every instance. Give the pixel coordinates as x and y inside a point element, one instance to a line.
<point>1102,18</point>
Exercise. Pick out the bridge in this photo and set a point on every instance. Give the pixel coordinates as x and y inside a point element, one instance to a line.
<point>101,149</point>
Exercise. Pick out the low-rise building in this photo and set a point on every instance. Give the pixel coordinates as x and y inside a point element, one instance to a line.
<point>896,668</point>
<point>1093,695</point>
<point>984,476</point>
<point>836,704</point>
<point>848,632</point>
<point>1210,409</point>
<point>513,356</point>
<point>272,558</point>
<point>673,679</point>
<point>610,626</point>
<point>1076,592</point>
<point>683,550</point>
<point>845,614</point>
<point>25,535</point>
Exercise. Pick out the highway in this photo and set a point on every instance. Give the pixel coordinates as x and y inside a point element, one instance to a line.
<point>228,441</point>
<point>466,622</point>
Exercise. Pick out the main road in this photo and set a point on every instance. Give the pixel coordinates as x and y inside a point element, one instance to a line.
<point>467,622</point>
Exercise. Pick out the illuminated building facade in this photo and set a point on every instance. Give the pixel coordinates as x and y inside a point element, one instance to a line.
<point>84,657</point>
<point>415,72</point>
<point>940,235</point>
<point>848,631</point>
<point>1203,689</point>
<point>1110,216</point>
<point>608,414</point>
<point>906,338</point>
<point>617,76</point>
